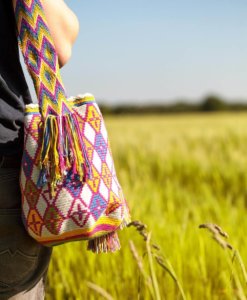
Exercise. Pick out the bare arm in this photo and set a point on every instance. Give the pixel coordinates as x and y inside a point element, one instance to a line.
<point>64,27</point>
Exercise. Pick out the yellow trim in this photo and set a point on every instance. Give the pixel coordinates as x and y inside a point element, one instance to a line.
<point>114,222</point>
<point>34,108</point>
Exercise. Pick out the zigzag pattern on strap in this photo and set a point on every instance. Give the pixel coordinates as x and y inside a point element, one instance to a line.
<point>62,148</point>
<point>40,55</point>
<point>31,50</point>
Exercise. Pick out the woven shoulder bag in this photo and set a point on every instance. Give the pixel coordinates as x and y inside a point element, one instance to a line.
<point>68,182</point>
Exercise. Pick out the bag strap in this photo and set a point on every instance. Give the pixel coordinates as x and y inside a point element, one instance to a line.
<point>62,149</point>
<point>40,56</point>
<point>62,154</point>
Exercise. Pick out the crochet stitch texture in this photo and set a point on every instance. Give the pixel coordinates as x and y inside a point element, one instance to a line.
<point>69,186</point>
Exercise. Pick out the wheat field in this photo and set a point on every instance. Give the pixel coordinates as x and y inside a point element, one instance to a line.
<point>177,171</point>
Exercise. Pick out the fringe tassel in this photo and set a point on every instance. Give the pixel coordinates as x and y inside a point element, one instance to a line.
<point>105,243</point>
<point>109,242</point>
<point>62,150</point>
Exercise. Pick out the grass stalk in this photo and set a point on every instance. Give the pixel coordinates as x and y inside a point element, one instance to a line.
<point>241,264</point>
<point>152,271</point>
<point>219,236</point>
<point>154,251</point>
<point>99,290</point>
<point>147,279</point>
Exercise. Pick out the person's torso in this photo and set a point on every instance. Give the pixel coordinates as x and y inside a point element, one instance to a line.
<point>14,93</point>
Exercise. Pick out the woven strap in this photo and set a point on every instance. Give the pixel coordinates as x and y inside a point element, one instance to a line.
<point>62,150</point>
<point>40,56</point>
<point>62,147</point>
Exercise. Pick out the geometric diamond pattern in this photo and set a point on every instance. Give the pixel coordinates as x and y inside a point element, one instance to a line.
<point>67,203</point>
<point>27,164</point>
<point>34,221</point>
<point>31,141</point>
<point>79,207</point>
<point>113,204</point>
<point>41,206</point>
<point>95,181</point>
<point>97,162</point>
<point>93,118</point>
<point>86,194</point>
<point>97,206</point>
<point>103,190</point>
<point>100,146</point>
<point>49,53</point>
<point>74,187</point>
<point>76,205</point>
<point>35,130</point>
<point>31,192</point>
<point>106,175</point>
<point>34,59</point>
<point>53,220</point>
<point>89,148</point>
<point>89,133</point>
<point>79,213</point>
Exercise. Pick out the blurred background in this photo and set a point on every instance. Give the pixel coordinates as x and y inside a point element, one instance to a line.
<point>159,51</point>
<point>170,77</point>
<point>135,52</point>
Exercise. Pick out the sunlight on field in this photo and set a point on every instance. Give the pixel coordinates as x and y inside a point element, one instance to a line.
<point>177,171</point>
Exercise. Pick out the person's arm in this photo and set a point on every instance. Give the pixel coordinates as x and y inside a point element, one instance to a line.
<point>63,25</point>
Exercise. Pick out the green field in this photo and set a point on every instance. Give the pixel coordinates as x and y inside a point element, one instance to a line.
<point>177,171</point>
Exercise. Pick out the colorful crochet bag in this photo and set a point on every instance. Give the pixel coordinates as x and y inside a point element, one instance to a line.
<point>69,186</point>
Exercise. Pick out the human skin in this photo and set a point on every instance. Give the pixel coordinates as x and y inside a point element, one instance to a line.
<point>63,25</point>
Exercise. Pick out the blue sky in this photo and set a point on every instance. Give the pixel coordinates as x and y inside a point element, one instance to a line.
<point>159,50</point>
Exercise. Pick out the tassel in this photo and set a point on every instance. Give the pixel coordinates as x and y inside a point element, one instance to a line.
<point>75,146</point>
<point>88,169</point>
<point>42,180</point>
<point>62,151</point>
<point>105,243</point>
<point>110,241</point>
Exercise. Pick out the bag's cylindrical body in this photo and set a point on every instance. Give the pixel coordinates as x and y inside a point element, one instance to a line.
<point>77,210</point>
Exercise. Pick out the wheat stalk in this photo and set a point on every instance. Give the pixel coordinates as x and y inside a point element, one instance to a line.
<point>154,251</point>
<point>220,237</point>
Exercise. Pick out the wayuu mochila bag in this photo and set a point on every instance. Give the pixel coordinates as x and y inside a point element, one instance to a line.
<point>68,181</point>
